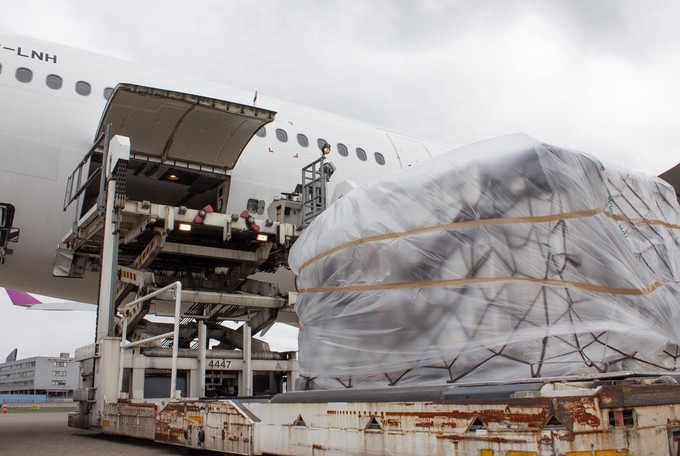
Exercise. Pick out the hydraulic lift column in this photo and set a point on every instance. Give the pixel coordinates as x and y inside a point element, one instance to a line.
<point>116,155</point>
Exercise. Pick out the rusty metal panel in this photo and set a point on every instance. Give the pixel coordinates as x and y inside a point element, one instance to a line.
<point>549,425</point>
<point>522,426</point>
<point>133,420</point>
<point>639,395</point>
<point>214,425</point>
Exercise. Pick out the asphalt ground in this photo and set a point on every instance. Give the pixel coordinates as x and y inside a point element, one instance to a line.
<point>28,432</point>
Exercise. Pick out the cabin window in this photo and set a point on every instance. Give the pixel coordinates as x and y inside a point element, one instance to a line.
<point>107,93</point>
<point>361,153</point>
<point>281,135</point>
<point>302,140</point>
<point>379,158</point>
<point>262,132</point>
<point>83,88</point>
<point>24,75</point>
<point>0,68</point>
<point>54,82</point>
<point>321,142</point>
<point>342,150</point>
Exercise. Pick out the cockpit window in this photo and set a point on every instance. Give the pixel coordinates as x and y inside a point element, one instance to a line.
<point>83,88</point>
<point>54,82</point>
<point>24,75</point>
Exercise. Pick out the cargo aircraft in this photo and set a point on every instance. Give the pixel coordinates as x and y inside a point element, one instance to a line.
<point>53,98</point>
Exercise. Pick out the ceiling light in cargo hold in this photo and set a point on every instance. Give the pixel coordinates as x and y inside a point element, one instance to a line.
<point>179,176</point>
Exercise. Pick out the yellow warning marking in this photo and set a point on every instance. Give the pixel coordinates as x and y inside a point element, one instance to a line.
<point>106,423</point>
<point>522,453</point>
<point>485,452</point>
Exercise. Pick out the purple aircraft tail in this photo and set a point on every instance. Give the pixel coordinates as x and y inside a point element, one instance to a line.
<point>21,298</point>
<point>38,302</point>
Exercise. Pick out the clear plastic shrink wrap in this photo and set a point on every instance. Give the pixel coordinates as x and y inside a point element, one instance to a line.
<point>501,260</point>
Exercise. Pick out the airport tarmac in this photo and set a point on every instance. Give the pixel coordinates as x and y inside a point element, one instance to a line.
<point>47,433</point>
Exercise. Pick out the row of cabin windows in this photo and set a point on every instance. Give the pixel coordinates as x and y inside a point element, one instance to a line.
<point>83,88</point>
<point>303,141</point>
<point>55,82</point>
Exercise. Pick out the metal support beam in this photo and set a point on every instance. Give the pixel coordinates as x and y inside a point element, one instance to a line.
<point>107,280</point>
<point>212,252</point>
<point>202,349</point>
<point>262,320</point>
<point>226,299</point>
<point>246,386</point>
<point>175,341</point>
<point>150,252</point>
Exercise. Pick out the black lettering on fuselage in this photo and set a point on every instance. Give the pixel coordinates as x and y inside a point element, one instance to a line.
<point>32,54</point>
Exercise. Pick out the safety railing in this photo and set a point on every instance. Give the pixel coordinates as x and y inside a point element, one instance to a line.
<point>313,190</point>
<point>74,185</point>
<point>174,334</point>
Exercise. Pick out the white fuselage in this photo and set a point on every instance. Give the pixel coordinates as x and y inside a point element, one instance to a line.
<point>45,131</point>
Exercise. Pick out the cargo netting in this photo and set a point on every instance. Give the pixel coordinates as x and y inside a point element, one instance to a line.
<point>506,259</point>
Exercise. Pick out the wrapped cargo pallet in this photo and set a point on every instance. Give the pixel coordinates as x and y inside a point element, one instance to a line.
<point>506,259</point>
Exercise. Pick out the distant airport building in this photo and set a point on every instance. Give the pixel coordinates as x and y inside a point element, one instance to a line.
<point>41,378</point>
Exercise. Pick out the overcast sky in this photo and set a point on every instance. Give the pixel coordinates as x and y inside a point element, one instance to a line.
<point>598,76</point>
